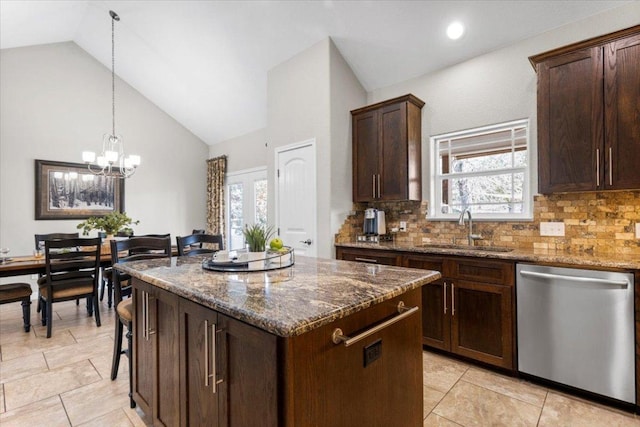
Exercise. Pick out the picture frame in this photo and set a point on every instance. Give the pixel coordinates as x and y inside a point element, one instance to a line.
<point>70,191</point>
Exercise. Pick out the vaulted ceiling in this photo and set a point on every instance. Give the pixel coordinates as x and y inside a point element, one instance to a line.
<point>205,62</point>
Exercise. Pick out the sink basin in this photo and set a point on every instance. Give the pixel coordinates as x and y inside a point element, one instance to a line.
<point>466,247</point>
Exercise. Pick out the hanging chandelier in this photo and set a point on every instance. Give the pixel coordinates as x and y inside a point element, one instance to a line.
<point>112,161</point>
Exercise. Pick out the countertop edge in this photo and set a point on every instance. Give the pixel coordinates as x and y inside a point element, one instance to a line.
<point>516,255</point>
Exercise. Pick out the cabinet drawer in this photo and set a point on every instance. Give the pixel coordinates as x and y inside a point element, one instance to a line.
<point>371,256</point>
<point>424,262</point>
<point>482,270</point>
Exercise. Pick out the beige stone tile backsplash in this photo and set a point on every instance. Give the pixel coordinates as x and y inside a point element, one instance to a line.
<point>595,222</point>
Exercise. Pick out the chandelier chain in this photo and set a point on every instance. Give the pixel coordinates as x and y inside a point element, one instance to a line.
<point>113,78</point>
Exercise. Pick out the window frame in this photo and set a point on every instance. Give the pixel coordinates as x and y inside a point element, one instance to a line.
<point>248,178</point>
<point>437,178</point>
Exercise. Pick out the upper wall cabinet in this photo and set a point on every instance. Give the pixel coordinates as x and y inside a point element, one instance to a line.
<point>387,150</point>
<point>589,114</point>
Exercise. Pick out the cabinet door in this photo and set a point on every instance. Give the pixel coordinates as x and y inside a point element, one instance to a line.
<point>393,155</point>
<point>370,256</point>
<point>570,117</point>
<point>142,349</point>
<point>247,357</point>
<point>156,353</point>
<point>482,322</point>
<point>622,113</point>
<point>436,310</point>
<point>365,156</point>
<point>199,396</point>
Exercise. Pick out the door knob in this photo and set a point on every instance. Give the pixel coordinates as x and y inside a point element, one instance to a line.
<point>306,242</point>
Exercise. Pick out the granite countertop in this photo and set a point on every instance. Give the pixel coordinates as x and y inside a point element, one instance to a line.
<point>620,261</point>
<point>286,302</point>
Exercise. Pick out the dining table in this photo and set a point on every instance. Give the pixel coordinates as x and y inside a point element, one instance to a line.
<point>30,264</point>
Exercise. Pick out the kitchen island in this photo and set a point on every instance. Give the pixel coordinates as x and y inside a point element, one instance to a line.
<point>325,342</point>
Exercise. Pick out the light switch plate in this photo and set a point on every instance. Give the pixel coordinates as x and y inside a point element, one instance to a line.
<point>637,230</point>
<point>552,229</point>
<point>403,225</point>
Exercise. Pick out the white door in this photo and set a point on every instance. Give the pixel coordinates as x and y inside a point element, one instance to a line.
<point>296,196</point>
<point>246,203</point>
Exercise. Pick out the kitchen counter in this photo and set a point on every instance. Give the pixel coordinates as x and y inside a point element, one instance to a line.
<point>618,261</point>
<point>288,302</point>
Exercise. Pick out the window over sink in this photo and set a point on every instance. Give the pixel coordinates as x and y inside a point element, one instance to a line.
<point>485,170</point>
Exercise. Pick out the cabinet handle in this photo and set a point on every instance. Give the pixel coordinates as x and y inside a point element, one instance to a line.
<point>373,186</point>
<point>374,261</point>
<point>610,168</point>
<point>379,192</point>
<point>597,167</point>
<point>213,373</point>
<point>444,297</point>
<point>337,337</point>
<point>147,326</point>
<point>453,299</point>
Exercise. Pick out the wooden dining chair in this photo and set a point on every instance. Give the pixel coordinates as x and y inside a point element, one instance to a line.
<point>193,244</point>
<point>135,248</point>
<point>72,268</point>
<point>14,292</point>
<point>40,239</point>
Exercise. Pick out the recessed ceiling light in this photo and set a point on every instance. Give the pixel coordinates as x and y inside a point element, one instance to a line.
<point>455,30</point>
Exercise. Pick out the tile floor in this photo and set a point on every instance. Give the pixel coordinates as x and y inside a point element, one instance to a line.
<point>64,381</point>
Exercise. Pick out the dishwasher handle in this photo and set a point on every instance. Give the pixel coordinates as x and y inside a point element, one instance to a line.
<point>550,276</point>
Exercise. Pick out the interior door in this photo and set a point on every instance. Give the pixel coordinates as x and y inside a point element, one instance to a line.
<point>296,197</point>
<point>246,203</point>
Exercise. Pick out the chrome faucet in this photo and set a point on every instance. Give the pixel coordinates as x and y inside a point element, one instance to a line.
<point>470,236</point>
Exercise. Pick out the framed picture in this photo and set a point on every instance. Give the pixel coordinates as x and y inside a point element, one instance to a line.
<point>71,191</point>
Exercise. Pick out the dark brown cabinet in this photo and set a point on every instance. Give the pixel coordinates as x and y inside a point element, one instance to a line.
<point>156,385</point>
<point>469,311</point>
<point>387,150</point>
<point>588,124</point>
<point>219,371</point>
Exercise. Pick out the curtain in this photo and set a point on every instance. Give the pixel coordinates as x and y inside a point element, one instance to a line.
<point>216,171</point>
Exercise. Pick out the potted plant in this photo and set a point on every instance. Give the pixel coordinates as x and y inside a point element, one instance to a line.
<point>256,236</point>
<point>111,224</point>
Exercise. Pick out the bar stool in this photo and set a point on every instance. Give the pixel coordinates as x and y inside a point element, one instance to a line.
<point>14,292</point>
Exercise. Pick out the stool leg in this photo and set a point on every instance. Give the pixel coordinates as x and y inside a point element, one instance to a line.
<point>132,403</point>
<point>43,311</point>
<point>117,350</point>
<point>26,313</point>
<point>109,293</point>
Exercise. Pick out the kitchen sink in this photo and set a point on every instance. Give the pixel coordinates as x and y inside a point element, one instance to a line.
<point>466,247</point>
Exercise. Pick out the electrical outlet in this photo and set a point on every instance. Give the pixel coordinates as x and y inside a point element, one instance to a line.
<point>403,225</point>
<point>637,230</point>
<point>552,229</point>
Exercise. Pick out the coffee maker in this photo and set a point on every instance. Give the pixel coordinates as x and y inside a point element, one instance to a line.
<point>374,222</point>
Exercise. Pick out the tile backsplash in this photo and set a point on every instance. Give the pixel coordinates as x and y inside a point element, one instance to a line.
<point>594,222</point>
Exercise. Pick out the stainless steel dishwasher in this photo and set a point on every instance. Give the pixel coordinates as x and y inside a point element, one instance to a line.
<point>576,327</point>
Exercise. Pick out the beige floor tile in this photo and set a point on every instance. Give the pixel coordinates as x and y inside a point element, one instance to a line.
<point>435,420</point>
<point>2,408</point>
<point>470,405</point>
<point>561,410</point>
<point>103,365</point>
<point>96,399</point>
<point>83,350</point>
<point>41,386</point>
<point>116,418</point>
<point>63,325</point>
<point>137,417</point>
<point>36,345</point>
<point>22,367</point>
<point>512,387</point>
<point>441,373</point>
<point>50,409</point>
<point>431,398</point>
<point>16,335</point>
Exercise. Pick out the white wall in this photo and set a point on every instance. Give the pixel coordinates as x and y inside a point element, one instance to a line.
<point>496,87</point>
<point>309,96</point>
<point>55,102</point>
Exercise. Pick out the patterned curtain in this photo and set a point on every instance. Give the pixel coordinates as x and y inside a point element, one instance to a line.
<point>216,170</point>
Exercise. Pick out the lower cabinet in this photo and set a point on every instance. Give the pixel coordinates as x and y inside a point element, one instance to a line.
<point>194,366</point>
<point>469,311</point>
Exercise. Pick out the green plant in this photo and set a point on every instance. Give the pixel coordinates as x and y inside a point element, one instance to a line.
<point>110,223</point>
<point>257,236</point>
